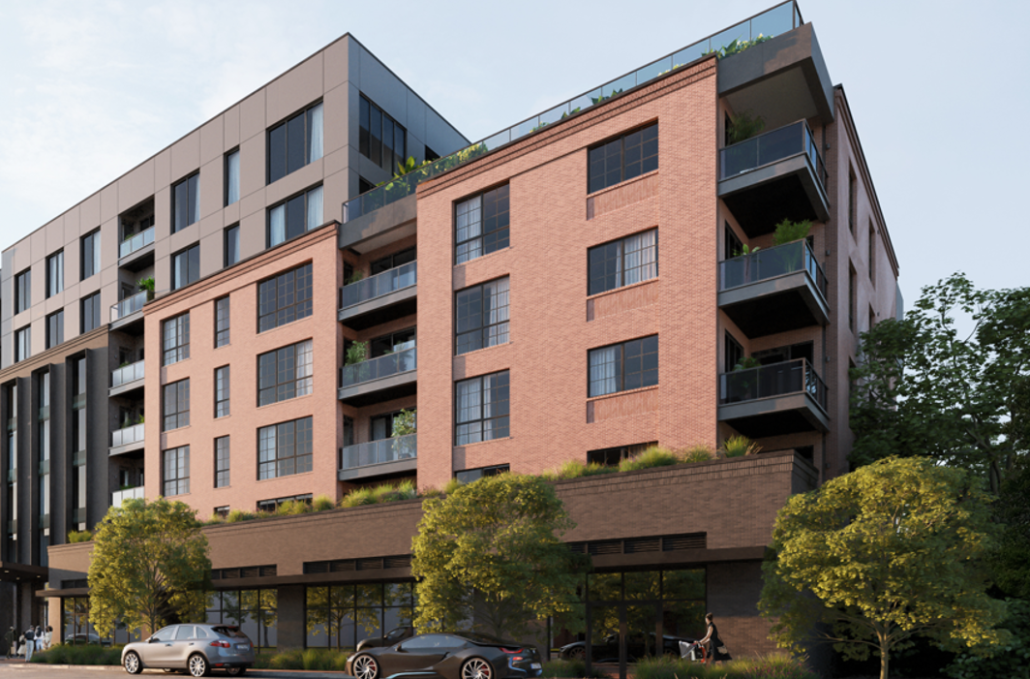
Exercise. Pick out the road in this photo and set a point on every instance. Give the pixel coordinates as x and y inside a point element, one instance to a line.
<point>19,670</point>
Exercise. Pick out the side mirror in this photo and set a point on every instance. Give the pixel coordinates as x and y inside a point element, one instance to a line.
<point>152,640</point>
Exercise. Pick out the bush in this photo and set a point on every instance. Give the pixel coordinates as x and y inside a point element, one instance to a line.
<point>571,668</point>
<point>322,503</point>
<point>323,659</point>
<point>237,515</point>
<point>699,453</point>
<point>650,458</point>
<point>357,497</point>
<point>79,536</point>
<point>88,654</point>
<point>737,446</point>
<point>769,667</point>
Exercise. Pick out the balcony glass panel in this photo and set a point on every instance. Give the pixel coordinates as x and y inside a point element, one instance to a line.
<point>121,496</point>
<point>771,147</point>
<point>137,242</point>
<point>377,368</point>
<point>376,286</point>
<point>129,305</point>
<point>121,437</point>
<point>127,373</point>
<point>770,263</point>
<point>378,452</point>
<point>777,379</point>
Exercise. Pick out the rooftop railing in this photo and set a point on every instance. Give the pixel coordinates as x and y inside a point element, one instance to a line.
<point>122,437</point>
<point>378,452</point>
<point>378,368</point>
<point>776,379</point>
<point>378,285</point>
<point>770,263</point>
<point>129,305</point>
<point>127,373</point>
<point>136,242</point>
<point>771,147</point>
<point>774,21</point>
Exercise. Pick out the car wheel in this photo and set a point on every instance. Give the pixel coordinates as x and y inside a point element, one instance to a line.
<point>197,665</point>
<point>365,667</point>
<point>577,653</point>
<point>477,668</point>
<point>235,671</point>
<point>131,663</point>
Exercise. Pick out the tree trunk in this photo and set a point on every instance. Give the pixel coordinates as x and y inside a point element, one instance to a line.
<point>884,661</point>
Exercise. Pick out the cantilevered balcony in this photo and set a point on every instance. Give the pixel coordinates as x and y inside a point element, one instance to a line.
<point>127,315</point>
<point>781,398</point>
<point>137,252</point>
<point>380,298</point>
<point>379,379</point>
<point>774,176</point>
<point>775,290</point>
<point>121,496</point>
<point>127,378</point>
<point>379,458</point>
<point>127,440</point>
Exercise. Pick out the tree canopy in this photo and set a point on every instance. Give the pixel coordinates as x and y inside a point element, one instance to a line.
<point>890,551</point>
<point>149,566</point>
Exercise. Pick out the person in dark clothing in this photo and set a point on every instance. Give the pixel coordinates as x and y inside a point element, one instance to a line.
<point>713,643</point>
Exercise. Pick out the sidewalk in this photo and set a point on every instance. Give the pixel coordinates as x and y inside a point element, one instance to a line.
<point>19,665</point>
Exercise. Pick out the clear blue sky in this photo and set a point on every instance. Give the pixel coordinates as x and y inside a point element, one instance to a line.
<point>90,89</point>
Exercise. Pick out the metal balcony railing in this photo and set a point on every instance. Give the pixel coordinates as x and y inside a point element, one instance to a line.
<point>137,242</point>
<point>127,373</point>
<point>770,263</point>
<point>776,379</point>
<point>121,437</point>
<point>771,147</point>
<point>381,284</point>
<point>377,368</point>
<point>117,498</point>
<point>378,452</point>
<point>129,305</point>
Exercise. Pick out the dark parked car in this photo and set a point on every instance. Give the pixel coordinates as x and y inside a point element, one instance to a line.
<point>87,638</point>
<point>451,656</point>
<point>608,649</point>
<point>392,637</point>
<point>194,648</point>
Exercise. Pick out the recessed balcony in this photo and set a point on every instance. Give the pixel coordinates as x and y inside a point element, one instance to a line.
<point>121,496</point>
<point>380,298</point>
<point>772,400</point>
<point>389,456</point>
<point>127,440</point>
<point>774,176</point>
<point>775,290</point>
<point>136,252</point>
<point>127,378</point>
<point>379,379</point>
<point>127,315</point>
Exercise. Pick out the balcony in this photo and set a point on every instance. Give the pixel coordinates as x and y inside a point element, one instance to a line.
<point>127,315</point>
<point>380,298</point>
<point>775,290</point>
<point>137,252</point>
<point>379,379</point>
<point>128,494</point>
<point>379,458</point>
<point>776,399</point>
<point>126,379</point>
<point>773,176</point>
<point>127,440</point>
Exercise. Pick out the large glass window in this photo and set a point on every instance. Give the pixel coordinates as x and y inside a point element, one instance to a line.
<point>285,373</point>
<point>90,260</point>
<point>43,384</point>
<point>221,462</point>
<point>284,448</point>
<point>232,177</point>
<point>221,321</point>
<point>186,202</point>
<point>481,224</point>
<point>284,298</point>
<point>470,475</point>
<point>176,406</point>
<point>22,343</point>
<point>254,611</point>
<point>231,247</point>
<point>55,329</point>
<point>23,291</point>
<point>482,408</point>
<point>222,391</point>
<point>175,471</point>
<point>175,340</point>
<point>89,308</point>
<point>623,262</point>
<point>340,616</point>
<point>294,216</point>
<point>481,316</point>
<point>55,273</point>
<point>295,143</point>
<point>625,366</point>
<point>381,139</point>
<point>622,158</point>
<point>185,267</point>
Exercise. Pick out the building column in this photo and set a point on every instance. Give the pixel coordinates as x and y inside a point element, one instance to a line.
<point>291,624</point>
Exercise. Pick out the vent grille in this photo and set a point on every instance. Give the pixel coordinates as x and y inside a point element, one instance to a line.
<point>269,571</point>
<point>74,584</point>
<point>639,545</point>
<point>244,572</point>
<point>605,547</point>
<point>577,547</point>
<point>342,566</point>
<point>675,543</point>
<point>665,543</point>
<point>316,567</point>
<point>397,561</point>
<point>370,564</point>
<point>350,565</point>
<point>251,572</point>
<point>230,573</point>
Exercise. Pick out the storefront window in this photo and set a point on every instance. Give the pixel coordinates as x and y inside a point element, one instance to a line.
<point>340,616</point>
<point>255,611</point>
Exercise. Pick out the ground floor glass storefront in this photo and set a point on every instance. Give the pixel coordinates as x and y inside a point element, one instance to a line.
<point>254,611</point>
<point>77,629</point>
<point>339,616</point>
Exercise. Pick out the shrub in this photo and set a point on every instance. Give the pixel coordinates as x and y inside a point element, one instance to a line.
<point>737,446</point>
<point>451,486</point>
<point>698,453</point>
<point>73,654</point>
<point>652,457</point>
<point>571,668</point>
<point>292,508</point>
<point>237,515</point>
<point>323,659</point>
<point>322,503</point>
<point>79,536</point>
<point>357,497</point>
<point>769,667</point>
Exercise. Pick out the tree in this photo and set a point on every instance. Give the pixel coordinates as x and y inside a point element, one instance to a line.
<point>882,554</point>
<point>489,553</point>
<point>149,566</point>
<point>922,389</point>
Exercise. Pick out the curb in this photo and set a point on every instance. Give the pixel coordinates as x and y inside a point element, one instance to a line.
<point>267,674</point>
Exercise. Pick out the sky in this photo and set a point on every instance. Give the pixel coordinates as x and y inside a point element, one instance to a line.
<point>88,90</point>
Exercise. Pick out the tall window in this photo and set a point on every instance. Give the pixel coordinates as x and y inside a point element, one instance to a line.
<point>221,462</point>
<point>852,199</point>
<point>381,139</point>
<point>872,253</point>
<point>176,471</point>
<point>44,444</point>
<point>89,312</point>
<point>482,411</point>
<point>624,366</point>
<point>285,373</point>
<point>232,177</point>
<point>482,316</point>
<point>78,478</point>
<point>221,321</point>
<point>176,406</point>
<point>222,391</point>
<point>23,343</point>
<point>622,158</point>
<point>175,340</point>
<point>186,202</point>
<point>851,297</point>
<point>284,448</point>
<point>481,224</point>
<point>185,267</point>
<point>470,475</point>
<point>55,273</point>
<point>231,247</point>
<point>90,250</point>
<point>284,298</point>
<point>55,329</point>
<point>294,216</point>
<point>23,291</point>
<point>295,143</point>
<point>733,353</point>
<point>623,262</point>
<point>11,433</point>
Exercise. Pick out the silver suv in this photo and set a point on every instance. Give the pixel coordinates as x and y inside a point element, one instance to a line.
<point>195,648</point>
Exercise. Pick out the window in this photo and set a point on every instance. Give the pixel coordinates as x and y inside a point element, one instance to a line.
<point>872,253</point>
<point>284,298</point>
<point>272,505</point>
<point>231,246</point>
<point>186,202</point>
<point>295,143</point>
<point>734,248</point>
<point>186,267</point>
<point>54,273</point>
<point>481,224</point>
<point>625,157</point>
<point>393,261</point>
<point>623,262</point>
<point>23,291</point>
<point>222,462</point>
<point>175,340</point>
<point>625,366</point>
<point>222,512</point>
<point>294,216</point>
<point>54,329</point>
<point>284,449</point>
<point>23,343</point>
<point>222,391</point>
<point>431,155</point>
<point>852,199</point>
<point>232,177</point>
<point>381,139</point>
<point>470,475</point>
<point>285,373</point>
<point>221,322</point>
<point>851,297</point>
<point>611,457</point>
<point>364,186</point>
<point>872,318</point>
<point>388,425</point>
<point>89,312</point>
<point>176,405</point>
<point>90,250</point>
<point>482,316</point>
<point>482,408</point>
<point>734,354</point>
<point>176,468</point>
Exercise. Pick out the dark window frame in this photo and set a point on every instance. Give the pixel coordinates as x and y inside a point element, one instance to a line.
<point>23,291</point>
<point>306,115</point>
<point>286,382</point>
<point>222,391</point>
<point>192,255</point>
<point>295,310</point>
<point>230,234</point>
<point>852,199</point>
<point>273,467</point>
<point>733,352</point>
<point>223,324</point>
<point>623,373</point>
<point>368,111</point>
<point>466,475</point>
<point>305,219</point>
<point>180,350</point>
<point>494,208</point>
<point>90,255</point>
<point>89,313</point>
<point>621,269</point>
<point>615,151</point>
<point>55,273</point>
<point>23,343</point>
<point>496,431</point>
<point>178,484</point>
<point>222,462</point>
<point>610,457</point>
<point>191,200</point>
<point>872,253</point>
<point>175,405</point>
<point>227,175</point>
<point>489,334</point>
<point>54,335</point>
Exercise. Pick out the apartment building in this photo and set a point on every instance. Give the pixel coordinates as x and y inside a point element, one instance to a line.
<point>593,280</point>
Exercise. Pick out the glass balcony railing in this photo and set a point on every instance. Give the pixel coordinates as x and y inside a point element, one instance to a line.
<point>771,147</point>
<point>377,368</point>
<point>776,379</point>
<point>780,19</point>
<point>376,286</point>
<point>129,305</point>
<point>127,435</point>
<point>127,373</point>
<point>766,264</point>
<point>121,496</point>
<point>137,242</point>
<point>378,452</point>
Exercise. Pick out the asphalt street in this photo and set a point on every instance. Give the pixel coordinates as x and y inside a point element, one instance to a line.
<point>16,669</point>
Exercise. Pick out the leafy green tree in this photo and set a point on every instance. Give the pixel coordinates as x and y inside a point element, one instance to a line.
<point>490,552</point>
<point>887,552</point>
<point>149,565</point>
<point>921,388</point>
<point>1011,562</point>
